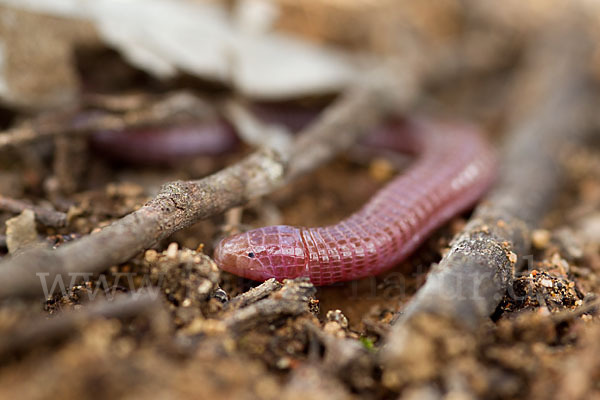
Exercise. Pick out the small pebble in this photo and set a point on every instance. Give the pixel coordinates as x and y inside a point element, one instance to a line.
<point>540,238</point>
<point>337,316</point>
<point>546,283</point>
<point>283,363</point>
<point>172,250</point>
<point>151,255</point>
<point>381,169</point>
<point>205,287</point>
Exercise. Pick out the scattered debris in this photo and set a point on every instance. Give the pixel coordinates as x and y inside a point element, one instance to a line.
<point>21,232</point>
<point>129,302</point>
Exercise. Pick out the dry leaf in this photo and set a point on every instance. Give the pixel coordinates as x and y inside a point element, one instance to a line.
<point>165,37</point>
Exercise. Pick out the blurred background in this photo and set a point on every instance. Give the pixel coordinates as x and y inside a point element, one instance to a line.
<point>103,101</point>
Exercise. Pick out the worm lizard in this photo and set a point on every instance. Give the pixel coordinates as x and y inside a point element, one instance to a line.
<point>454,167</point>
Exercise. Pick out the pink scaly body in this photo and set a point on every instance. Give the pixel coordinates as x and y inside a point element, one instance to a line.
<point>453,169</point>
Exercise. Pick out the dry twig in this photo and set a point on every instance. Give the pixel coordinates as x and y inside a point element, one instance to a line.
<point>43,215</point>
<point>473,277</point>
<point>255,294</point>
<point>291,299</point>
<point>254,132</point>
<point>71,123</point>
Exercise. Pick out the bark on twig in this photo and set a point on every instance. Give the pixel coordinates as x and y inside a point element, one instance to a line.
<point>291,299</point>
<point>475,274</point>
<point>180,204</point>
<point>43,215</point>
<point>473,277</point>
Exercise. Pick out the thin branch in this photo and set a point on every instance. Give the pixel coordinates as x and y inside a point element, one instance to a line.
<point>180,204</point>
<point>292,298</point>
<point>255,294</point>
<point>255,132</point>
<point>74,122</point>
<point>43,215</point>
<point>553,112</point>
<point>475,274</point>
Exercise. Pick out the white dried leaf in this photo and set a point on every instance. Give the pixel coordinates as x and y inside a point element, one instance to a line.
<point>255,15</point>
<point>274,66</point>
<point>164,37</point>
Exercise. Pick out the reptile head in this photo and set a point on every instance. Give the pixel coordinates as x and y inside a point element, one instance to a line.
<point>272,252</point>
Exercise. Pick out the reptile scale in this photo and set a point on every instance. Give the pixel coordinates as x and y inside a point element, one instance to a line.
<point>454,166</point>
